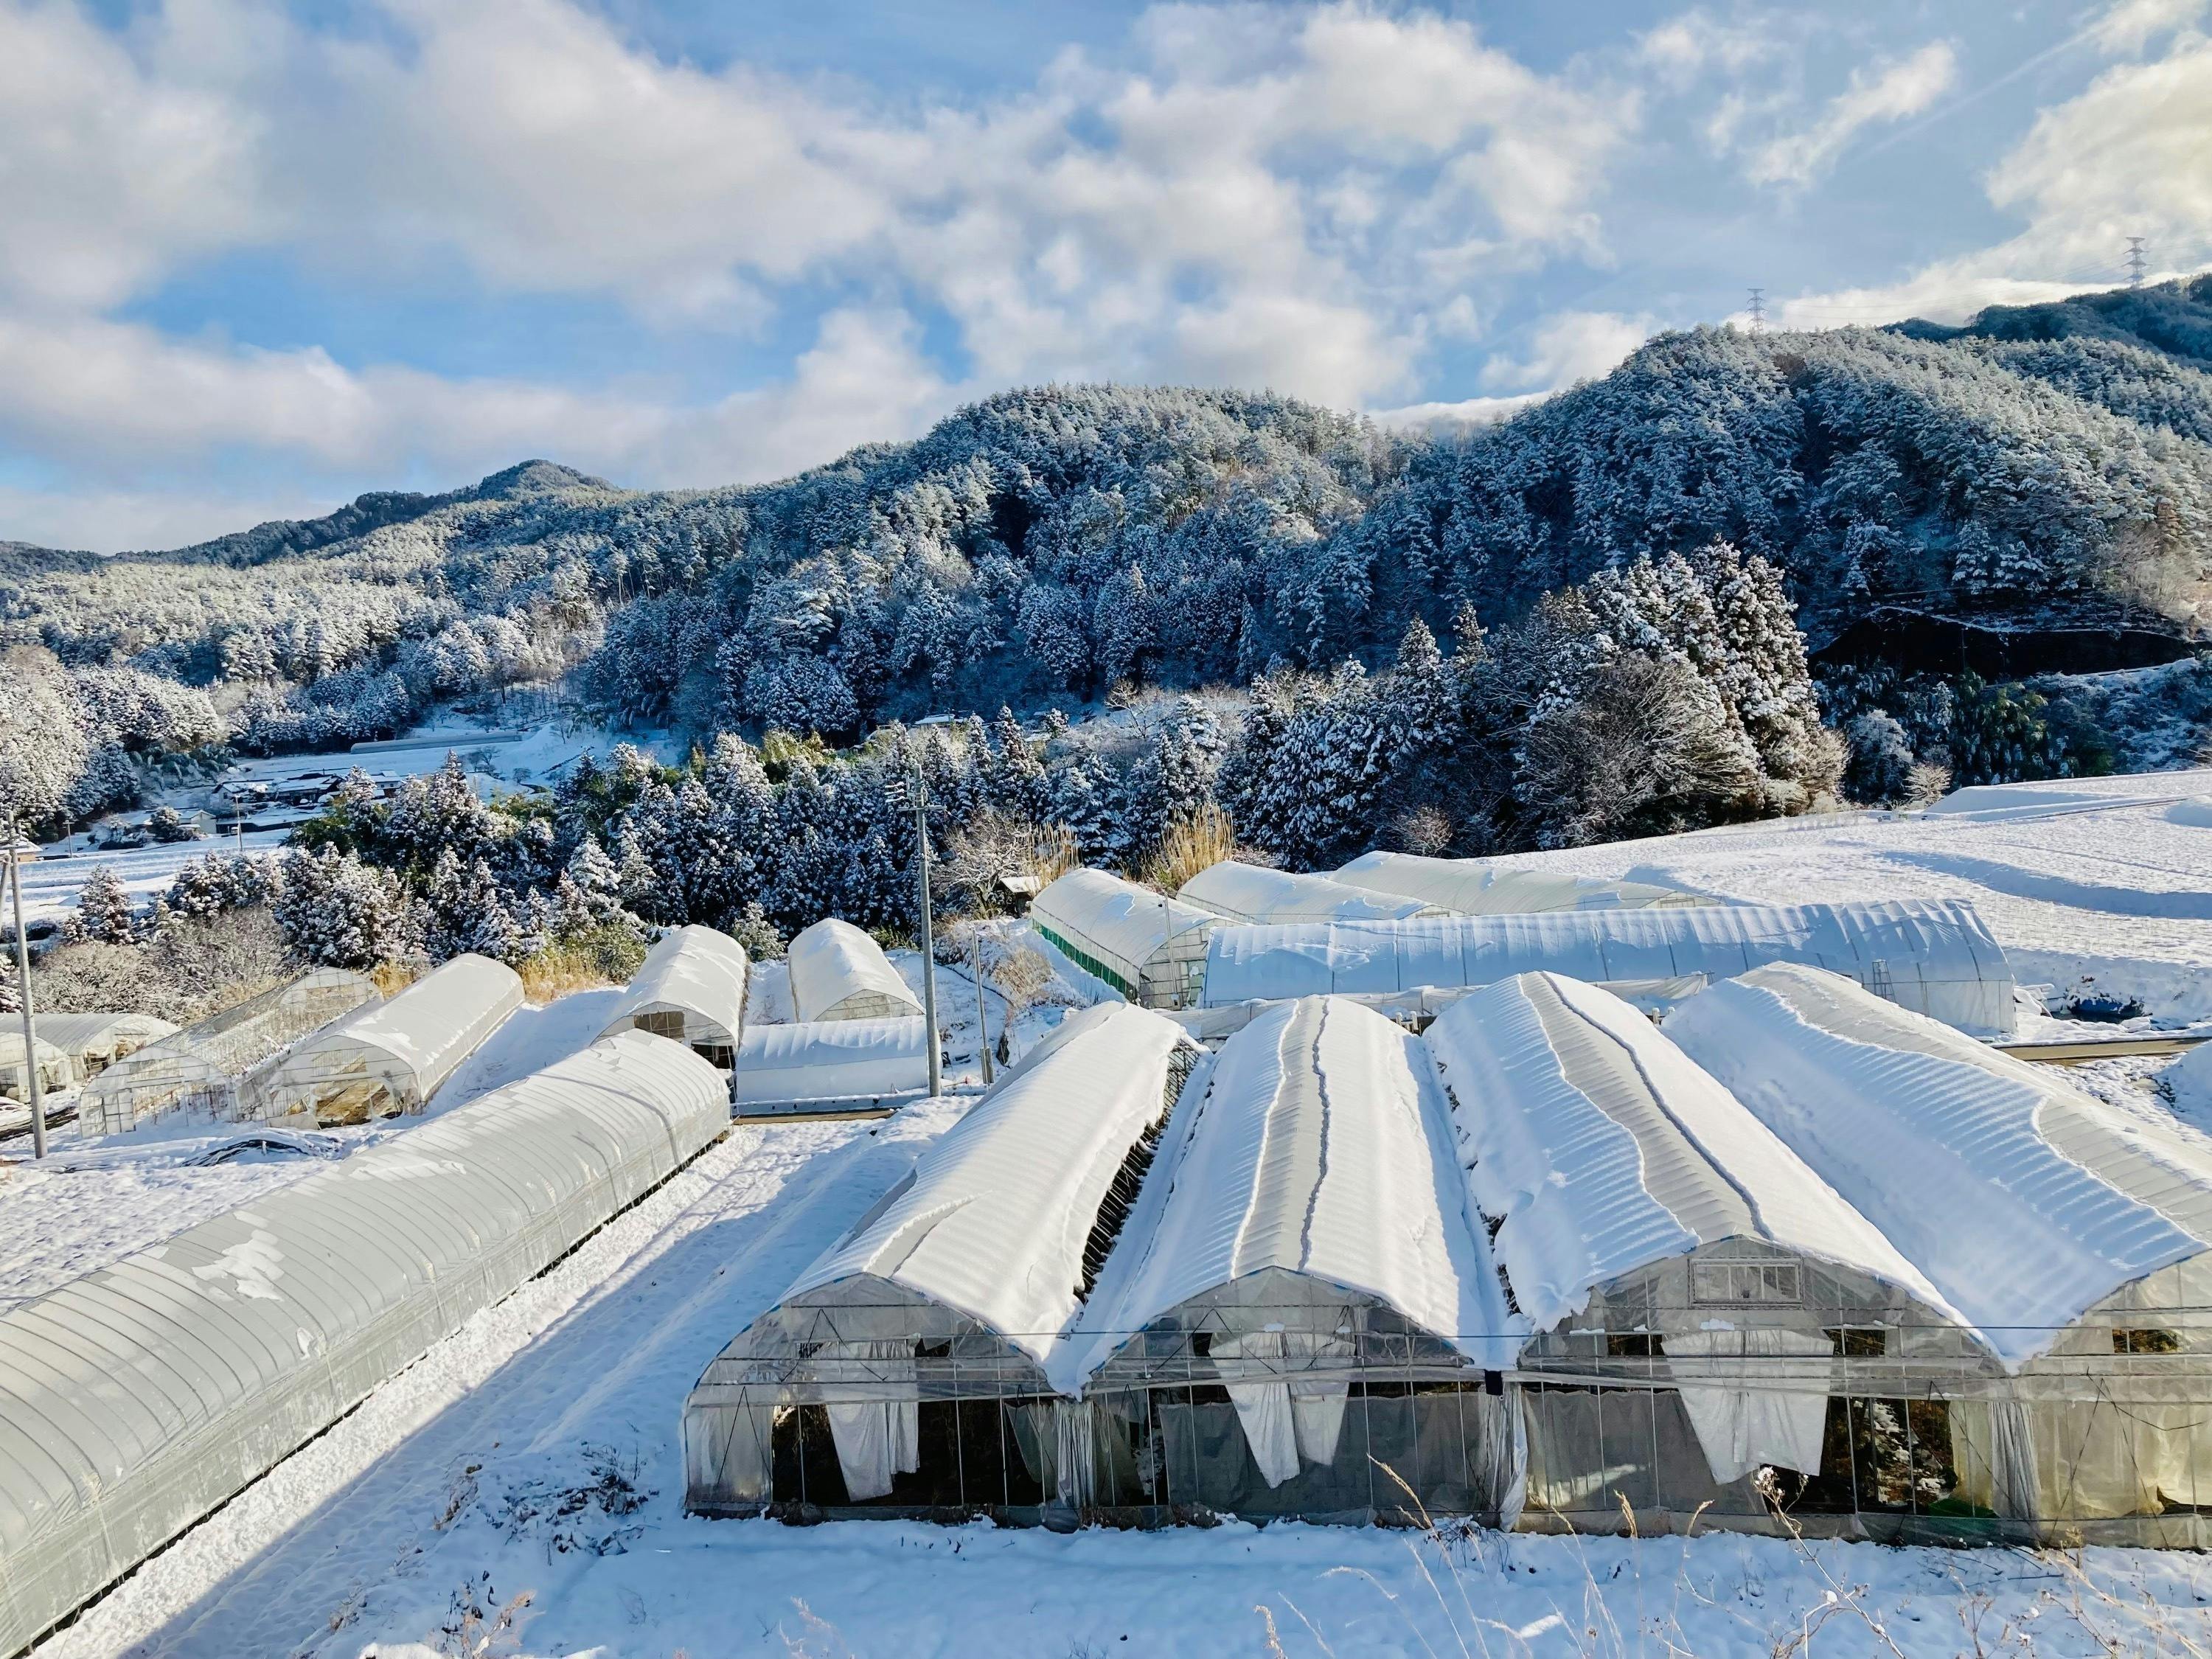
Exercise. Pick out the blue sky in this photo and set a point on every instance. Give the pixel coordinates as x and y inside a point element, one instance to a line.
<point>254,260</point>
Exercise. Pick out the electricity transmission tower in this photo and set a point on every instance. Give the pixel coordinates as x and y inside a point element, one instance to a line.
<point>2134,261</point>
<point>1757,311</point>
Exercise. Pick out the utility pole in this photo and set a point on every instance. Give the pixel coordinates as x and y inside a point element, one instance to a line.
<point>928,930</point>
<point>31,1081</point>
<point>2134,261</point>
<point>982,1008</point>
<point>1759,311</point>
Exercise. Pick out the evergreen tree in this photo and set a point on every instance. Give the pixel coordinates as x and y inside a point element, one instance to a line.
<point>103,909</point>
<point>337,911</point>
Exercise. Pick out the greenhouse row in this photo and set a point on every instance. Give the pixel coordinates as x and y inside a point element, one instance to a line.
<point>145,1395</point>
<point>1544,1267</point>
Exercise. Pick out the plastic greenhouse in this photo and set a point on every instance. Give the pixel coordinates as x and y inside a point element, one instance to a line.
<point>56,1070</point>
<point>1707,1313</point>
<point>392,1057</point>
<point>1246,892</point>
<point>904,1372</point>
<point>837,972</point>
<point>95,1042</point>
<point>1144,945</point>
<point>2073,1237</point>
<point>1482,887</point>
<point>844,1065</point>
<point>1299,1319</point>
<point>204,1067</point>
<point>1933,957</point>
<point>691,989</point>
<point>146,1394</point>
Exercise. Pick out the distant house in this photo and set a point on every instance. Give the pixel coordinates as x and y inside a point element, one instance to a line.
<point>25,851</point>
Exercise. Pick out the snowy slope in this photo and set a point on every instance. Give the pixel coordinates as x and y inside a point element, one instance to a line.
<point>2090,884</point>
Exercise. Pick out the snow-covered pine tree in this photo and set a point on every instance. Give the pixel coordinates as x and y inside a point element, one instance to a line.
<point>104,913</point>
<point>337,911</point>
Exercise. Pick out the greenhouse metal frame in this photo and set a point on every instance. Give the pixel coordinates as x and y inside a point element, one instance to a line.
<point>205,1067</point>
<point>95,1042</point>
<point>838,972</point>
<point>148,1393</point>
<point>1144,945</point>
<point>691,989</point>
<point>392,1057</point>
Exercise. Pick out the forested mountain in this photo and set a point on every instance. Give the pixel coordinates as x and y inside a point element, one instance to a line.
<point>2043,463</point>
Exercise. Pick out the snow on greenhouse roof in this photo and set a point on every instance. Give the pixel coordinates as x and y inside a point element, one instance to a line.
<point>1604,1148</point>
<point>1321,1146</point>
<point>825,1060</point>
<point>998,1213</point>
<point>1477,887</point>
<point>1246,892</point>
<point>837,972</point>
<point>1118,923</point>
<point>698,971</point>
<point>2024,1201</point>
<point>148,1392</point>
<point>1934,955</point>
<point>80,1034</point>
<point>415,1040</point>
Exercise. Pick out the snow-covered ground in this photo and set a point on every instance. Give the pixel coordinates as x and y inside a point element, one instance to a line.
<point>2091,886</point>
<point>51,884</point>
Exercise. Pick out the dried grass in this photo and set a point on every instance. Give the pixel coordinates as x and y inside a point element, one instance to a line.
<point>1190,844</point>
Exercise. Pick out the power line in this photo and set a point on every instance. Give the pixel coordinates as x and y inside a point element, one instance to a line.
<point>2134,261</point>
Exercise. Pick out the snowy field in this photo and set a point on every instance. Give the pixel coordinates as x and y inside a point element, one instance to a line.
<point>2098,884</point>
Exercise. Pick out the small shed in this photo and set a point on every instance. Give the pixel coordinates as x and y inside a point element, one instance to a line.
<point>95,1042</point>
<point>691,989</point>
<point>1247,892</point>
<point>1483,887</point>
<point>848,1064</point>
<point>393,1056</point>
<point>1143,944</point>
<point>837,972</point>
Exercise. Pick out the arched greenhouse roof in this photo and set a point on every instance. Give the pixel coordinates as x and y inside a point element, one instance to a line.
<point>1115,928</point>
<point>696,973</point>
<point>837,972</point>
<point>2024,1200</point>
<point>1482,887</point>
<point>1246,892</point>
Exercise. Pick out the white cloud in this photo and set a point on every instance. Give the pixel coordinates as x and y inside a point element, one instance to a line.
<point>1569,346</point>
<point>1445,419</point>
<point>2130,25</point>
<point>99,520</point>
<point>1897,90</point>
<point>2126,157</point>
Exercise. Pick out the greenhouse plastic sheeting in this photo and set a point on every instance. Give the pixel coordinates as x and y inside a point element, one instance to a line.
<point>2025,1201</point>
<point>398,1053</point>
<point>696,974</point>
<point>1479,887</point>
<point>93,1041</point>
<point>1145,944</point>
<point>1932,956</point>
<point>136,1398</point>
<point>830,1060</point>
<point>837,972</point>
<point>1246,892</point>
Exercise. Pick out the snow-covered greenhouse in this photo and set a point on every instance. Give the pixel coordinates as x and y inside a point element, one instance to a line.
<point>1247,892</point>
<point>56,1070</point>
<point>206,1068</point>
<point>1483,887</point>
<point>690,989</point>
<point>826,1064</point>
<point>1298,1319</point>
<point>393,1056</point>
<point>1144,945</point>
<point>1709,1316</point>
<point>95,1042</point>
<point>904,1372</point>
<point>147,1393</point>
<point>2074,1239</point>
<point>1932,956</point>
<point>837,972</point>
